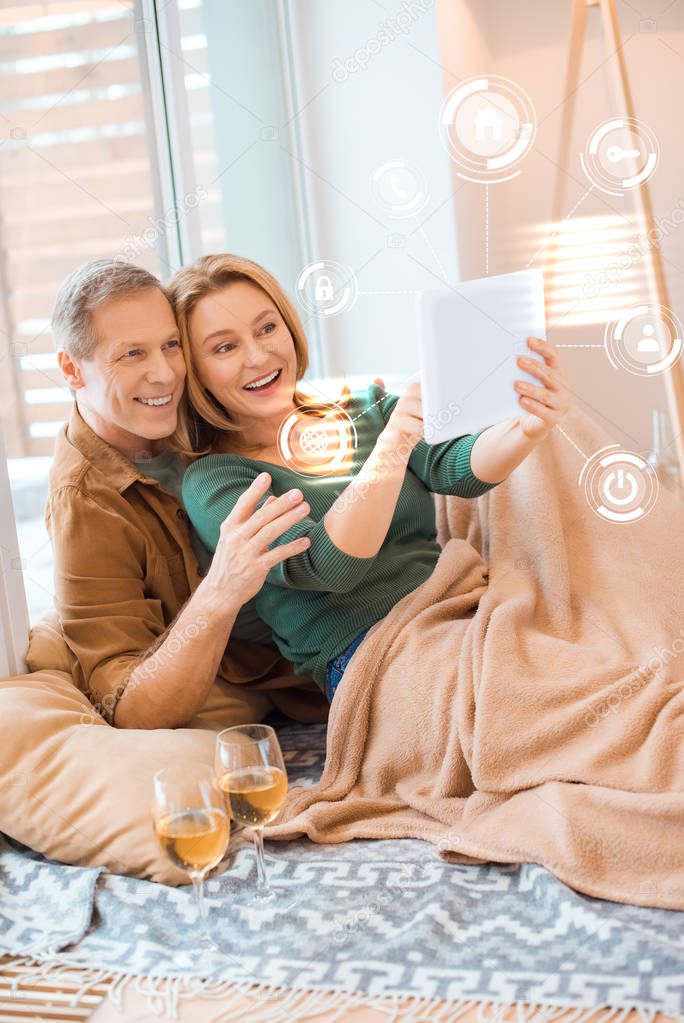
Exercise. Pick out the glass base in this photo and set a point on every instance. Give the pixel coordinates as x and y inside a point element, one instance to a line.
<point>281,899</point>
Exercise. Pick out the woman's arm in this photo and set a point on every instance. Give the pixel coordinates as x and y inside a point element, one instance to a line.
<point>344,542</point>
<point>501,448</point>
<point>358,521</point>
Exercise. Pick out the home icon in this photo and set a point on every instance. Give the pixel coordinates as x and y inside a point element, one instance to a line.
<point>488,122</point>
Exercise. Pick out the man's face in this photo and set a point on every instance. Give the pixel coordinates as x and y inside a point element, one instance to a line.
<point>129,389</point>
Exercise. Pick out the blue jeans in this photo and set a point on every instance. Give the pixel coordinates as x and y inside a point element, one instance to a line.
<point>335,668</point>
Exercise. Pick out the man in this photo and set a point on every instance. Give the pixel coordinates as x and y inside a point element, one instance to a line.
<point>145,612</point>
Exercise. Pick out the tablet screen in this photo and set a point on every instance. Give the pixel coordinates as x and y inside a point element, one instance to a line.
<point>470,336</point>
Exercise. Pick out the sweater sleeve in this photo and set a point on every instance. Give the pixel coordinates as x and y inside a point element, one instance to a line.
<point>443,468</point>
<point>211,488</point>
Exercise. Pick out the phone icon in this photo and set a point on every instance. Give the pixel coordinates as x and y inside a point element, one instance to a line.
<point>396,186</point>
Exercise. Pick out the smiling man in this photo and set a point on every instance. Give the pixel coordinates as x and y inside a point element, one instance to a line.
<point>145,611</point>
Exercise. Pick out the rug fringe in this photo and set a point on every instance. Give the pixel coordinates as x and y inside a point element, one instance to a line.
<point>275,1004</point>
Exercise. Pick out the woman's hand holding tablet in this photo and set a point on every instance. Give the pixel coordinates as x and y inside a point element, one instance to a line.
<point>545,402</point>
<point>470,335</point>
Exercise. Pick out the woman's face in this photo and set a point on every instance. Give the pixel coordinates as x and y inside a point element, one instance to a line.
<point>244,352</point>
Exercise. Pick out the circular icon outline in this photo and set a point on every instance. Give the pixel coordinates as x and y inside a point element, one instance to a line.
<point>596,492</point>
<point>490,173</point>
<point>410,207</point>
<point>350,287</point>
<point>615,331</point>
<point>345,428</point>
<point>596,172</point>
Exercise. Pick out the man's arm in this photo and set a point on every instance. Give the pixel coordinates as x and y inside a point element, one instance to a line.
<point>138,672</point>
<point>174,677</point>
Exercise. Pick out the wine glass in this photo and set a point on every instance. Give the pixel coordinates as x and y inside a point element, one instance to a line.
<point>251,774</point>
<point>192,826</point>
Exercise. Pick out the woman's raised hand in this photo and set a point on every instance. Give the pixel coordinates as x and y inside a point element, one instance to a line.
<point>243,559</point>
<point>545,403</point>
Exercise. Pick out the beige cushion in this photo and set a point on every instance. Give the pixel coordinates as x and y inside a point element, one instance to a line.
<point>78,790</point>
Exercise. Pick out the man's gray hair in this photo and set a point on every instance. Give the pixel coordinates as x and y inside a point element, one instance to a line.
<point>84,290</point>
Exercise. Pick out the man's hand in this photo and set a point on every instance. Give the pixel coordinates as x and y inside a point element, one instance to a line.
<point>242,558</point>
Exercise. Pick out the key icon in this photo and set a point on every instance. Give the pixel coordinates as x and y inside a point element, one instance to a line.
<point>616,153</point>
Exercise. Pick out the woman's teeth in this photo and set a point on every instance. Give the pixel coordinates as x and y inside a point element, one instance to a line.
<point>156,401</point>
<point>262,382</point>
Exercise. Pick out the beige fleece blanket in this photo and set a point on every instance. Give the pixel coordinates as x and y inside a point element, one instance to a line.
<point>526,703</point>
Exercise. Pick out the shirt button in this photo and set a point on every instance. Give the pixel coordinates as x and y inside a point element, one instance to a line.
<point>201,572</point>
<point>180,514</point>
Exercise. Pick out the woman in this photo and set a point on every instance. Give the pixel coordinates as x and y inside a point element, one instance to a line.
<point>368,534</point>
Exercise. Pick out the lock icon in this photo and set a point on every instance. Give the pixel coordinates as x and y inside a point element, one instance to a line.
<point>324,289</point>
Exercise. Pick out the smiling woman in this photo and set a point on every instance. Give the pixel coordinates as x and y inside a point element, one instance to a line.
<point>253,340</point>
<point>253,371</point>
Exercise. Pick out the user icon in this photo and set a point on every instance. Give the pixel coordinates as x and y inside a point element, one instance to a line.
<point>648,343</point>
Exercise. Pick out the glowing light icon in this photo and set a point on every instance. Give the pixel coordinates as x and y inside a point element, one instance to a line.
<point>400,188</point>
<point>325,288</point>
<point>487,125</point>
<point>621,154</point>
<point>620,486</point>
<point>317,439</point>
<point>646,340</point>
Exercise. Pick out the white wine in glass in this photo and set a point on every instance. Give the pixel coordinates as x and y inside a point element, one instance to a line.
<point>192,826</point>
<point>255,794</point>
<point>251,773</point>
<point>194,840</point>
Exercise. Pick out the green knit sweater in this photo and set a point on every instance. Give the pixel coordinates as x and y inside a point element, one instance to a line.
<point>318,601</point>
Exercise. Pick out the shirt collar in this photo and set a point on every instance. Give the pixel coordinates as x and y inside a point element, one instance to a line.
<point>118,469</point>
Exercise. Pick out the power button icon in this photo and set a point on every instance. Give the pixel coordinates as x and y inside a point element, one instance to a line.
<point>620,488</point>
<point>620,485</point>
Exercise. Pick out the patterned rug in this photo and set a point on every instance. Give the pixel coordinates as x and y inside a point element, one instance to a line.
<point>380,919</point>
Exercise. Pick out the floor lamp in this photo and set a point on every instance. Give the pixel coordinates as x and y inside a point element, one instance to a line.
<point>623,106</point>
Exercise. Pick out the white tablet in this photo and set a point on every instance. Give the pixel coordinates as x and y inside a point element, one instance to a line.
<point>470,336</point>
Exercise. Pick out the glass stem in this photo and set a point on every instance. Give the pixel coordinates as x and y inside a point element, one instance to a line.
<point>198,892</point>
<point>262,882</point>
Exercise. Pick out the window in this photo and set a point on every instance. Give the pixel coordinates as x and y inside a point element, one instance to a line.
<point>234,70</point>
<point>76,183</point>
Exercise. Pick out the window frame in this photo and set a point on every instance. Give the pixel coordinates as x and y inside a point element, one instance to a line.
<point>163,88</point>
<point>14,616</point>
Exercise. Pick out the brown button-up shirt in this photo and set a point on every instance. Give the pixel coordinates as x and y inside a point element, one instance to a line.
<point>124,566</point>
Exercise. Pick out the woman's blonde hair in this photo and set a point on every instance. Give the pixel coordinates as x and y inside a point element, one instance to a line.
<point>201,418</point>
